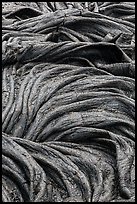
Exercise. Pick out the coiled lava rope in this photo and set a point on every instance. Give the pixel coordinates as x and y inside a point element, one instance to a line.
<point>68,101</point>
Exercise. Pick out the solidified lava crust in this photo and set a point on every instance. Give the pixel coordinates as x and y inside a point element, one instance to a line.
<point>68,101</point>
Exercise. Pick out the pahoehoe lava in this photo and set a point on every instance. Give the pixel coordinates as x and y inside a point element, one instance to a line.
<point>68,101</point>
